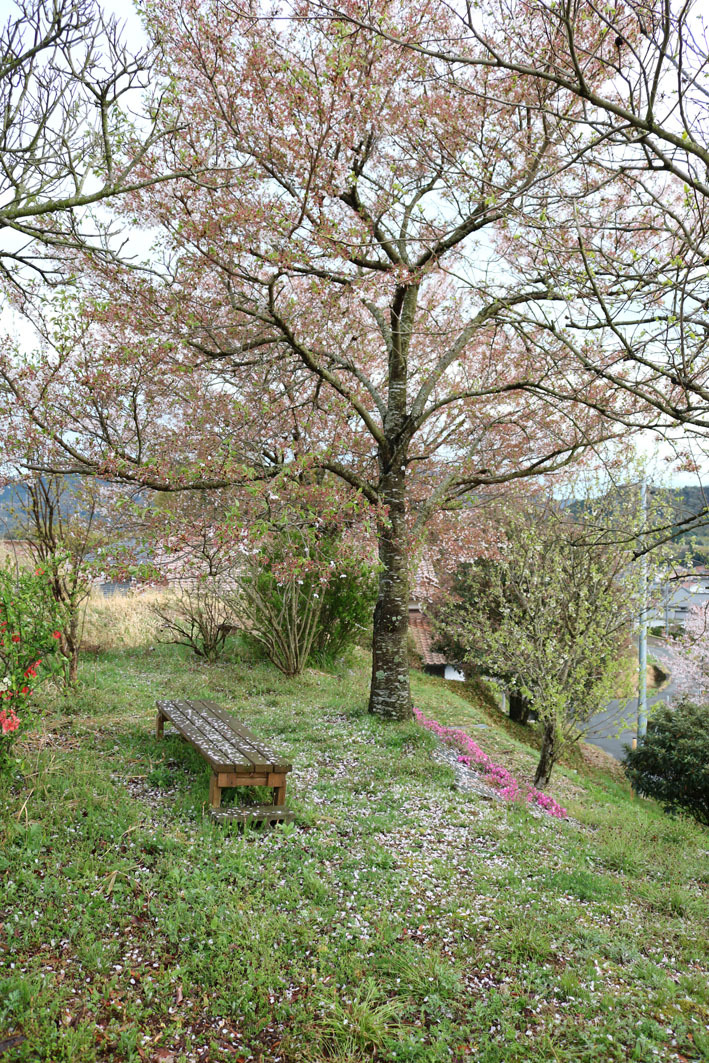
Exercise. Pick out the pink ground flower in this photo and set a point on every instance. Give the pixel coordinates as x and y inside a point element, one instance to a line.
<point>494,774</point>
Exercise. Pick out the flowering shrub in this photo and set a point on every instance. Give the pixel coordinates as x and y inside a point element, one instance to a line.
<point>30,630</point>
<point>494,774</point>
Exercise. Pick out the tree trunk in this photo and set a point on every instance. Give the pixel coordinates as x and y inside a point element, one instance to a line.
<point>549,755</point>
<point>519,707</point>
<point>390,695</point>
<point>69,646</point>
<point>74,666</point>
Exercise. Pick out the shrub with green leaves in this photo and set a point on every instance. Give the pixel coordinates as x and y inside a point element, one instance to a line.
<point>672,762</point>
<point>30,630</point>
<point>348,599</point>
<point>303,596</point>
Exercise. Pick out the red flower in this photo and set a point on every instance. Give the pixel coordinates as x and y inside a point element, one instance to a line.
<point>16,638</point>
<point>25,690</point>
<point>8,721</point>
<point>56,634</point>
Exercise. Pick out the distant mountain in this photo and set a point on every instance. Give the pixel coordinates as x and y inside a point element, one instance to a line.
<point>694,499</point>
<point>692,546</point>
<point>11,499</point>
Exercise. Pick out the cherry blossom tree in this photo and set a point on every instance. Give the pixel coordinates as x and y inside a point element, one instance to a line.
<point>639,73</point>
<point>688,657</point>
<point>79,112</point>
<point>348,289</point>
<point>639,67</point>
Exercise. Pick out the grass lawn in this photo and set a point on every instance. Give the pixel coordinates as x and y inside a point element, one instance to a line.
<point>398,918</point>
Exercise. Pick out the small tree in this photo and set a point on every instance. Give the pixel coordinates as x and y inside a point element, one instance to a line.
<point>194,550</point>
<point>195,615</point>
<point>548,614</point>
<point>672,762</point>
<point>62,520</point>
<point>454,640</point>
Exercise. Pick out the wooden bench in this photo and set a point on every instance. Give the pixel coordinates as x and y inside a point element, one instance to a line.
<point>236,756</point>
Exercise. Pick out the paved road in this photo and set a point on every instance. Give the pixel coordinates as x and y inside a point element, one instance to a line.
<point>614,728</point>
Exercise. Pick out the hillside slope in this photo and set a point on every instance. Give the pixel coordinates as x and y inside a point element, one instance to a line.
<point>398,919</point>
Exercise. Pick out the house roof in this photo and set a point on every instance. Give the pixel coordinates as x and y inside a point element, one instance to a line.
<point>422,635</point>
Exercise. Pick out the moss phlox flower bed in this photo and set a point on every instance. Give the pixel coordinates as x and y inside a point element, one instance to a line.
<point>495,774</point>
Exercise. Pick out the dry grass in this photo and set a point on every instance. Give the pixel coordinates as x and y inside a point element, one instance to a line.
<point>120,621</point>
<point>15,552</point>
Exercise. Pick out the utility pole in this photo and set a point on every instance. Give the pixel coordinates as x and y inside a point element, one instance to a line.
<point>642,631</point>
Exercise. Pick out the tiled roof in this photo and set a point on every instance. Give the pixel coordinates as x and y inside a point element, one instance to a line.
<point>422,635</point>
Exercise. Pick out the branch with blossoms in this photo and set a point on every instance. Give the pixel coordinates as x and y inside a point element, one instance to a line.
<point>688,656</point>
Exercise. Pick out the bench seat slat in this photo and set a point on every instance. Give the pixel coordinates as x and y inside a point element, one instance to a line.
<point>230,747</point>
<point>263,755</point>
<point>194,735</point>
<point>220,736</point>
<point>224,741</point>
<point>251,752</point>
<point>221,754</point>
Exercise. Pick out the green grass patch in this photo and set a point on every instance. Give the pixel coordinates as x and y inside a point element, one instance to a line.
<point>396,919</point>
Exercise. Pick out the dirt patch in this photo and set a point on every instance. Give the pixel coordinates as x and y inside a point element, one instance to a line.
<point>598,759</point>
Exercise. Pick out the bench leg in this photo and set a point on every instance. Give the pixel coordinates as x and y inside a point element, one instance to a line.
<point>159,725</point>
<point>279,794</point>
<point>215,791</point>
